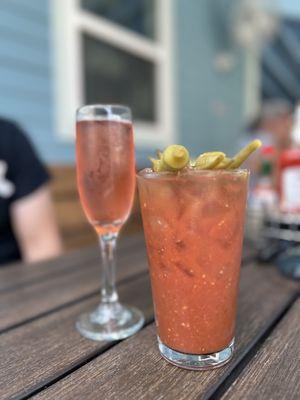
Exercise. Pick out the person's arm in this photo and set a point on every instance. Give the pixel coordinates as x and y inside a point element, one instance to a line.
<point>31,208</point>
<point>35,227</point>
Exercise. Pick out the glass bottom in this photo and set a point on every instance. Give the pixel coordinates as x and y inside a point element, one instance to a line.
<point>110,322</point>
<point>196,361</point>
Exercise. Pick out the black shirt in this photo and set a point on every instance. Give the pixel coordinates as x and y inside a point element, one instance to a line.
<point>21,173</point>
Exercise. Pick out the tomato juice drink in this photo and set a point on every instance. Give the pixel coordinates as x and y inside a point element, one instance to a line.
<point>194,225</point>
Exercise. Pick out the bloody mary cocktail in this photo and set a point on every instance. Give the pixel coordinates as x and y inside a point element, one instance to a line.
<point>193,223</point>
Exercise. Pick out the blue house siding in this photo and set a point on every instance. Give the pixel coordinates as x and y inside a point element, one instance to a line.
<point>26,81</point>
<point>210,103</point>
<point>289,7</point>
<point>26,84</point>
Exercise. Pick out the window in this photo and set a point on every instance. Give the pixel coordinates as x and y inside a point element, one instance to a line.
<point>136,15</point>
<point>115,51</point>
<point>109,78</point>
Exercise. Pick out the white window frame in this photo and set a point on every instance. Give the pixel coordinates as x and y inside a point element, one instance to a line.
<point>69,21</point>
<point>252,85</point>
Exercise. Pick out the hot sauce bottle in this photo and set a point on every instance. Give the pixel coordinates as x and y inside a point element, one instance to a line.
<point>289,172</point>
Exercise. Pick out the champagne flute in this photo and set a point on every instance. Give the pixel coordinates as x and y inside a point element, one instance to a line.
<point>106,184</point>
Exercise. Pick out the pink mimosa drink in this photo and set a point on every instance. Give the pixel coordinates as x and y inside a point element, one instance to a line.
<point>105,172</point>
<point>106,184</point>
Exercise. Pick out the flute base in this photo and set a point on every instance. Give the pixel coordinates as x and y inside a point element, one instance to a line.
<point>110,322</point>
<point>196,361</point>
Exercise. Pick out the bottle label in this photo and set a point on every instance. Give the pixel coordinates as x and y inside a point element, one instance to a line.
<point>290,189</point>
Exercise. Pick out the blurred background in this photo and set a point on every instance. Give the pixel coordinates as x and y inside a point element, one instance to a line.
<point>194,72</point>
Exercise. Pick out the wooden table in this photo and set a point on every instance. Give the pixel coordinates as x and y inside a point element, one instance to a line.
<point>43,356</point>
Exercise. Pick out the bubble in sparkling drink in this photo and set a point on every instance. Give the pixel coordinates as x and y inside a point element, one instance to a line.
<point>105,171</point>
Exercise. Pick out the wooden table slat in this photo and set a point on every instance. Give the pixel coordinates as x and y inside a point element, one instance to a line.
<point>54,292</point>
<point>18,275</point>
<point>134,369</point>
<point>37,353</point>
<point>274,373</point>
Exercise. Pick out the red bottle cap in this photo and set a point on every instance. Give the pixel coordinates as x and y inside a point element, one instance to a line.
<point>290,156</point>
<point>268,150</point>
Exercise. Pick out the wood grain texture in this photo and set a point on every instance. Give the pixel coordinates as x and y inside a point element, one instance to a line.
<point>274,372</point>
<point>134,369</point>
<point>52,292</point>
<point>15,275</point>
<point>18,275</point>
<point>38,352</point>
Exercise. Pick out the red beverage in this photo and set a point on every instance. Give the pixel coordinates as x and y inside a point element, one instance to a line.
<point>193,223</point>
<point>106,183</point>
<point>105,172</point>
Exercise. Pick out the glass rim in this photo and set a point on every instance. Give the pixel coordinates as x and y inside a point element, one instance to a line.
<point>113,112</point>
<point>148,173</point>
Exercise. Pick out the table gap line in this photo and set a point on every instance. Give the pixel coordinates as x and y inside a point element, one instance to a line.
<point>229,378</point>
<point>69,303</point>
<point>79,365</point>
